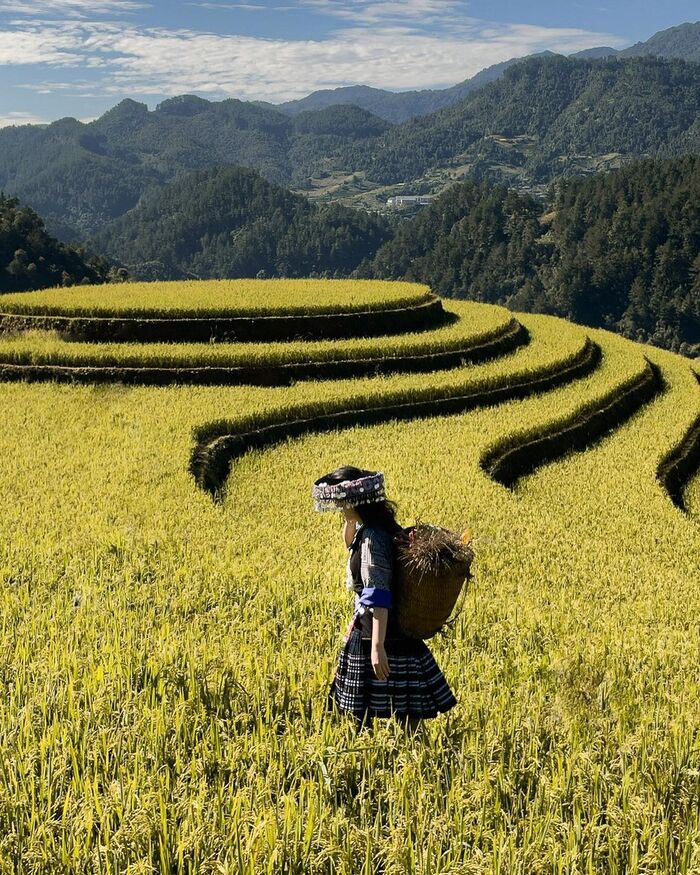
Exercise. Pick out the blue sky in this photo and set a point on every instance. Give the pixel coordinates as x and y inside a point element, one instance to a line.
<point>79,57</point>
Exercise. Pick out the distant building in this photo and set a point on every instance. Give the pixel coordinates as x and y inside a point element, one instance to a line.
<point>410,200</point>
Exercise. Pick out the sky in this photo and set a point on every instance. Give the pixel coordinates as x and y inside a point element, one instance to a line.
<point>80,57</point>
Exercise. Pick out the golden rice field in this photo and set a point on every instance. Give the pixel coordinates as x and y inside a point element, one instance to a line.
<point>167,656</point>
<point>47,347</point>
<point>228,297</point>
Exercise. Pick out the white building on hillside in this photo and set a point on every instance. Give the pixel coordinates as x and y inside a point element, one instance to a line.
<point>410,200</point>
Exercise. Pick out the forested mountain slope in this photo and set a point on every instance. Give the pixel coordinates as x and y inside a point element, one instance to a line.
<point>562,110</point>
<point>230,222</point>
<point>620,250</point>
<point>681,41</point>
<point>32,259</point>
<point>81,176</point>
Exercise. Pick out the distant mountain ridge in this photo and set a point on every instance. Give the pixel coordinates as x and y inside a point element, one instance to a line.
<point>682,42</point>
<point>399,106</point>
<point>82,176</point>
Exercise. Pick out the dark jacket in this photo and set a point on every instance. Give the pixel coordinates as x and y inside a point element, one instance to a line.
<point>370,574</point>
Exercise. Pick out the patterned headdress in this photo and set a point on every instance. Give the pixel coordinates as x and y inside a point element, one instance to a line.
<point>349,493</point>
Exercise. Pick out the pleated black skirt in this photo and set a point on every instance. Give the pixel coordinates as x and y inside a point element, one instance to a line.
<point>415,687</point>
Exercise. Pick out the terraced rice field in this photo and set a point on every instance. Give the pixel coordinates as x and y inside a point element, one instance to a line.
<point>219,310</point>
<point>172,611</point>
<point>219,297</point>
<point>473,336</point>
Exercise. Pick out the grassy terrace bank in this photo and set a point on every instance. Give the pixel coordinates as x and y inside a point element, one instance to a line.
<point>691,495</point>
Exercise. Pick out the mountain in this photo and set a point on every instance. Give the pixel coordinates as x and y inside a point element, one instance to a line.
<point>597,52</point>
<point>230,222</point>
<point>32,259</point>
<point>682,41</point>
<point>389,105</point>
<point>403,105</point>
<point>625,251</point>
<point>81,176</point>
<point>620,250</point>
<point>545,118</point>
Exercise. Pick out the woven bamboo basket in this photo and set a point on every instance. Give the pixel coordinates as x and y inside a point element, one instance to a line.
<point>432,565</point>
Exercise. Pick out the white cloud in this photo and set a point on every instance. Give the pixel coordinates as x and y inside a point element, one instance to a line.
<point>82,87</point>
<point>249,7</point>
<point>41,45</point>
<point>374,11</point>
<point>69,8</point>
<point>131,60</point>
<point>20,118</point>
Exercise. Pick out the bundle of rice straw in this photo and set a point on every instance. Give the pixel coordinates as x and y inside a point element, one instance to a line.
<point>431,568</point>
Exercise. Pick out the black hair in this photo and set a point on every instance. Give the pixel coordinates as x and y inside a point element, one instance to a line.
<point>376,514</point>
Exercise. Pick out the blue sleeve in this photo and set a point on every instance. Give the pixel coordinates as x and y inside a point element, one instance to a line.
<point>376,569</point>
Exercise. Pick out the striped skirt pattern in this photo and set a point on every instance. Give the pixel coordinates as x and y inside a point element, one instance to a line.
<point>415,687</point>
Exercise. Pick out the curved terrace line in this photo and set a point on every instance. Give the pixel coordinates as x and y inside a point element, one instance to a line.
<point>310,326</point>
<point>508,338</point>
<point>218,445</point>
<point>680,465</point>
<point>508,461</point>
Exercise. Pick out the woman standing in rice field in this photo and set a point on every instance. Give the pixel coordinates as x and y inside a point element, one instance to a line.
<point>381,670</point>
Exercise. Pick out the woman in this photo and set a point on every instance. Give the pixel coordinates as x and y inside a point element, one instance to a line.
<point>381,671</point>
